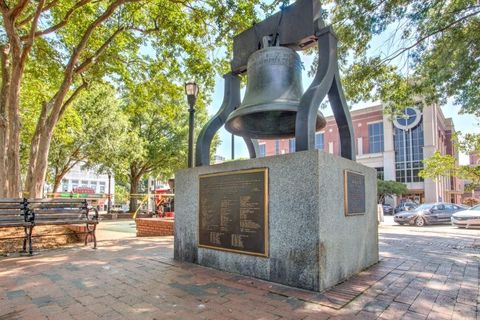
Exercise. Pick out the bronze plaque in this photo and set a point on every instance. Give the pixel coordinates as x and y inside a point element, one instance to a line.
<point>354,187</point>
<point>233,211</point>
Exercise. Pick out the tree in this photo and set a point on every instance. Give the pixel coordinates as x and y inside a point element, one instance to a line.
<point>89,41</point>
<point>397,50</point>
<point>157,112</point>
<point>389,189</point>
<point>121,194</point>
<point>91,133</point>
<point>440,165</point>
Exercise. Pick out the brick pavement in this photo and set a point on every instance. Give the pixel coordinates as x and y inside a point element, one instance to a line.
<point>430,273</point>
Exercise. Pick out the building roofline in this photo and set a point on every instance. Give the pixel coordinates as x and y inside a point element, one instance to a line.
<point>367,109</point>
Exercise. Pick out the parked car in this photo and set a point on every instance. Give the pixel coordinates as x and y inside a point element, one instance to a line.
<point>467,218</point>
<point>429,213</point>
<point>387,209</point>
<point>405,206</point>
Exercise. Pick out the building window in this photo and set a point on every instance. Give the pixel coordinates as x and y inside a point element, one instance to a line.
<point>64,185</point>
<point>408,146</point>
<point>380,174</point>
<point>375,137</point>
<point>277,146</point>
<point>262,150</point>
<point>93,185</point>
<point>319,141</point>
<point>102,187</point>
<point>291,145</point>
<point>74,184</point>
<point>84,183</point>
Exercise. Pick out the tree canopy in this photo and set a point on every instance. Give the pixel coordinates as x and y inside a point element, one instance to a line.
<point>398,50</point>
<point>389,189</point>
<point>447,165</point>
<point>92,133</point>
<point>52,52</point>
<point>61,47</point>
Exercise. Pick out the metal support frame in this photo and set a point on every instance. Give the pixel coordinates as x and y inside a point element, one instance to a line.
<point>326,81</point>
<point>109,202</point>
<point>91,227</point>
<point>28,238</point>
<point>306,16</point>
<point>29,217</point>
<point>231,100</point>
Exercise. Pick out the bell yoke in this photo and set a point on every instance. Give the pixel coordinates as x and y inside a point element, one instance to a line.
<point>275,105</point>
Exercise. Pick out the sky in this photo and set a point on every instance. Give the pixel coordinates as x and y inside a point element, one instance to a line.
<point>383,43</point>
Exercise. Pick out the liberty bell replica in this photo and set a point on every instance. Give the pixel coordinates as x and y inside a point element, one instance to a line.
<point>272,97</point>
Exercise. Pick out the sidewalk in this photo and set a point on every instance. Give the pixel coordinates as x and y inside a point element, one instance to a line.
<point>421,275</point>
<point>116,229</point>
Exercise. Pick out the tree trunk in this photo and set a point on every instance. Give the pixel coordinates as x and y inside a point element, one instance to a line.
<point>12,156</point>
<point>34,146</point>
<point>3,153</point>
<point>13,150</point>
<point>56,181</point>
<point>37,176</point>
<point>5,68</point>
<point>134,183</point>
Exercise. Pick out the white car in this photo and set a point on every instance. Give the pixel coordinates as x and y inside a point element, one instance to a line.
<point>467,218</point>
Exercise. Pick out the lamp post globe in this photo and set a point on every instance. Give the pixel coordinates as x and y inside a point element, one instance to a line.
<point>191,90</point>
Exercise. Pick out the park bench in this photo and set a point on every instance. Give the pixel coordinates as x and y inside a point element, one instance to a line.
<point>64,212</point>
<point>14,213</point>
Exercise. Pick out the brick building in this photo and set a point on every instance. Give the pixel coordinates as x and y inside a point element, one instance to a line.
<point>395,147</point>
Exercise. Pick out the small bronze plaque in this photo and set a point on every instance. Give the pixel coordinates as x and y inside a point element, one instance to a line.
<point>233,211</point>
<point>354,187</point>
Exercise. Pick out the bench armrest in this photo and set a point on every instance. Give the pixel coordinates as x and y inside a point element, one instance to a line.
<point>29,215</point>
<point>93,216</point>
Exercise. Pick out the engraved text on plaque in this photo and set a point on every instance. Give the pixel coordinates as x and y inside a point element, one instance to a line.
<point>233,213</point>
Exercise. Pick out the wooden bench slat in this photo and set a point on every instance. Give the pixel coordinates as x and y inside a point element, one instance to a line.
<point>15,224</point>
<point>60,216</point>
<point>11,216</point>
<point>9,212</point>
<point>56,200</point>
<point>56,205</point>
<point>11,206</point>
<point>59,211</point>
<point>11,200</point>
<point>9,222</point>
<point>65,222</point>
<point>12,219</point>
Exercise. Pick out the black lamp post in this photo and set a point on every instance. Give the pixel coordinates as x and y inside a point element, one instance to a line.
<point>191,90</point>
<point>109,203</point>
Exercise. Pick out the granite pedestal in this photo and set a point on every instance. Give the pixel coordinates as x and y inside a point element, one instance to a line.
<point>312,243</point>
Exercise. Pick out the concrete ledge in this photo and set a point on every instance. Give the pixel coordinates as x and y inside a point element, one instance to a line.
<point>151,227</point>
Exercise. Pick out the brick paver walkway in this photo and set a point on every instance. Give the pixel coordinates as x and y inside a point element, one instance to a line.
<point>423,273</point>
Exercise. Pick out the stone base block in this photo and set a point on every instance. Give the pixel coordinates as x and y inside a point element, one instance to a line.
<point>312,243</point>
